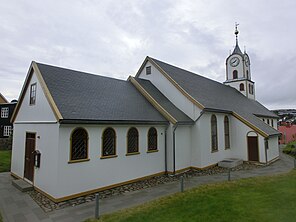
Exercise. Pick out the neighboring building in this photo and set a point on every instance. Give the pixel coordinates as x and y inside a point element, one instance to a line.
<point>92,132</point>
<point>288,133</point>
<point>2,99</point>
<point>6,110</point>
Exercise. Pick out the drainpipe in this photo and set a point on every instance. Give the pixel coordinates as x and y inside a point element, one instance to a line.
<point>165,149</point>
<point>266,147</point>
<point>174,146</point>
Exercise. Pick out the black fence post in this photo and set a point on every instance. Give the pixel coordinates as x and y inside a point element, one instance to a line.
<point>182,183</point>
<point>97,216</point>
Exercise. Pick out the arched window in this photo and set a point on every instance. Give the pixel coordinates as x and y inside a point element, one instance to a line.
<point>79,144</point>
<point>241,87</point>
<point>268,121</point>
<point>226,132</point>
<point>152,139</point>
<point>109,142</point>
<point>234,74</point>
<point>272,123</point>
<point>214,133</point>
<point>250,90</point>
<point>132,140</point>
<point>247,74</point>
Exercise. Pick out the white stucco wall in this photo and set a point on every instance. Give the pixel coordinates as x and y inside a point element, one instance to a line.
<point>273,148</point>
<point>170,91</point>
<point>41,111</point>
<point>96,173</point>
<point>47,137</point>
<point>183,147</point>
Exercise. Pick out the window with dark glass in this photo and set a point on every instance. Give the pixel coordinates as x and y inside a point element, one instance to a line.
<point>247,74</point>
<point>268,121</point>
<point>148,70</point>
<point>272,123</point>
<point>132,140</point>
<point>214,135</point>
<point>250,90</point>
<point>234,74</point>
<point>241,87</point>
<point>152,139</point>
<point>33,94</point>
<point>109,142</point>
<point>226,132</point>
<point>79,144</point>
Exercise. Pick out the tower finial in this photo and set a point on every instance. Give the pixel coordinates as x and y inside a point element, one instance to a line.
<point>236,33</point>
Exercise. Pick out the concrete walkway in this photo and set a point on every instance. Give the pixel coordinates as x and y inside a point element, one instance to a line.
<point>17,206</point>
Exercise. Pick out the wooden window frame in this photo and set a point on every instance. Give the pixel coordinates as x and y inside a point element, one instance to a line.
<point>214,123</point>
<point>102,147</point>
<point>128,153</point>
<point>148,70</point>
<point>7,130</point>
<point>33,92</point>
<point>226,133</point>
<point>4,112</point>
<point>149,149</point>
<point>71,147</point>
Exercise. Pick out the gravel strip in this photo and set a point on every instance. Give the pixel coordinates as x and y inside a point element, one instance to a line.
<point>47,205</point>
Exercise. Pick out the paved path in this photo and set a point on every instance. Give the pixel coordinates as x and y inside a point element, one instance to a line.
<point>18,206</point>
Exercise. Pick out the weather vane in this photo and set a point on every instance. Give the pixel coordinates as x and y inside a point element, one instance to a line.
<point>236,32</point>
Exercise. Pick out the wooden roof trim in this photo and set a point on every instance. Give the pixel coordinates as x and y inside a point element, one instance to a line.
<point>183,91</point>
<point>48,96</point>
<point>256,129</point>
<point>34,68</point>
<point>165,113</point>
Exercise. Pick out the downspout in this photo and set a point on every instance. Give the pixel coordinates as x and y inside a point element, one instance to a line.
<point>266,147</point>
<point>165,149</point>
<point>174,146</point>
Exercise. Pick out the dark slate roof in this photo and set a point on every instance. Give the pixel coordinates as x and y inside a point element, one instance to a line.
<point>164,102</point>
<point>84,97</point>
<point>237,50</point>
<point>216,96</point>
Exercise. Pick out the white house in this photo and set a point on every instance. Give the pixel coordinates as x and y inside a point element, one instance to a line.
<point>77,133</point>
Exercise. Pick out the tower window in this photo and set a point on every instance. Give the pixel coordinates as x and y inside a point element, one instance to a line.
<point>241,87</point>
<point>250,90</point>
<point>247,74</point>
<point>234,74</point>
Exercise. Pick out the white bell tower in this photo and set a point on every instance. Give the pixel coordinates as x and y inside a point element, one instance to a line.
<point>238,72</point>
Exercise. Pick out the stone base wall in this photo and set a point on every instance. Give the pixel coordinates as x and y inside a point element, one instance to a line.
<point>6,143</point>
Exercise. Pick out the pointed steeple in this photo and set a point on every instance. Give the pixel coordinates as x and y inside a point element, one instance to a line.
<point>236,50</point>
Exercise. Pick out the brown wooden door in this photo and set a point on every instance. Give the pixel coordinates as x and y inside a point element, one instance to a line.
<point>29,156</point>
<point>253,148</point>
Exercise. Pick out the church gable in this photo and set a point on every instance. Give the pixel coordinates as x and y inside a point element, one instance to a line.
<point>35,102</point>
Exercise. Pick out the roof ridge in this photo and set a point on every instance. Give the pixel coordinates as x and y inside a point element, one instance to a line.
<point>80,72</point>
<point>183,69</point>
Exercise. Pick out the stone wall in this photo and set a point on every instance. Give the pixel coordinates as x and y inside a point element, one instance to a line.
<point>6,143</point>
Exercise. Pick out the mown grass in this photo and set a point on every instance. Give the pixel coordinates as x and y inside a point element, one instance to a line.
<point>253,199</point>
<point>290,149</point>
<point>5,159</point>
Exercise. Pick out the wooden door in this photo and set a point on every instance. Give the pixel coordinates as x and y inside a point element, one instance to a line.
<point>253,148</point>
<point>29,156</point>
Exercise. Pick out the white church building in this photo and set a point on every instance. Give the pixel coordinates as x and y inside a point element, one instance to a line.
<point>77,133</point>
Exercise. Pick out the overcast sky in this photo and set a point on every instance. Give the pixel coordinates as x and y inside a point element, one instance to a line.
<point>112,38</point>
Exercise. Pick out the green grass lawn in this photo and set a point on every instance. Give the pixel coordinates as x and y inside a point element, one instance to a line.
<point>254,199</point>
<point>5,158</point>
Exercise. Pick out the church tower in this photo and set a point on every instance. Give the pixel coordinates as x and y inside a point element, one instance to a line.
<point>238,73</point>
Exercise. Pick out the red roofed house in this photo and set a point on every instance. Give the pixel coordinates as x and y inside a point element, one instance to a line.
<point>288,133</point>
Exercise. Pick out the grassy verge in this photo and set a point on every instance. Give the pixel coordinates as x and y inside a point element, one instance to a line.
<point>253,199</point>
<point>5,158</point>
<point>290,149</point>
